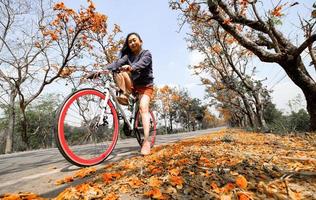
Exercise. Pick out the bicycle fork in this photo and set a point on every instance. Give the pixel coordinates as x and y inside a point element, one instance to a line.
<point>103,105</point>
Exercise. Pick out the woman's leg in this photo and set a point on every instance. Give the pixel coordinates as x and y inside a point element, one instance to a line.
<point>144,111</point>
<point>124,82</point>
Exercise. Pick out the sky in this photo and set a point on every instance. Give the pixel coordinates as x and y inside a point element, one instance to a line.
<point>158,26</point>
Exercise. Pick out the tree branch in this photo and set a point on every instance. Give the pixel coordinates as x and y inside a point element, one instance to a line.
<point>304,45</point>
<point>247,43</point>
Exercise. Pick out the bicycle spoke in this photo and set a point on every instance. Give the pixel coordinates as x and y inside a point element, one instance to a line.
<point>82,139</point>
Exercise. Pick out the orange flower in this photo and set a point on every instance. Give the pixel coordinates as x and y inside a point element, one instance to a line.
<point>85,171</point>
<point>242,196</point>
<point>277,11</point>
<point>83,188</point>
<point>59,6</point>
<point>228,187</point>
<point>111,196</point>
<point>154,182</point>
<point>230,40</point>
<point>70,30</point>
<point>154,193</point>
<point>65,180</point>
<point>135,182</point>
<point>216,48</point>
<point>215,187</point>
<point>109,177</point>
<point>175,171</point>
<point>156,171</point>
<point>176,181</point>
<point>227,21</point>
<point>241,181</point>
<point>91,5</point>
<point>54,36</point>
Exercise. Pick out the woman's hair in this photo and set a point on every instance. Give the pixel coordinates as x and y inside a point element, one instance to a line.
<point>125,49</point>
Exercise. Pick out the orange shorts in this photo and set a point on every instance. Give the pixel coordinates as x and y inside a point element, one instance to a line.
<point>148,90</point>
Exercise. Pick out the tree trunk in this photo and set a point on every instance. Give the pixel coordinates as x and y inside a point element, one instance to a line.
<point>11,123</point>
<point>295,69</point>
<point>165,120</point>
<point>23,121</point>
<point>250,113</point>
<point>311,108</point>
<point>259,113</point>
<point>170,121</point>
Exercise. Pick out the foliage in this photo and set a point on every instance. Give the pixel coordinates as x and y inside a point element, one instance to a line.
<point>296,121</point>
<point>176,107</point>
<point>41,115</point>
<point>272,114</point>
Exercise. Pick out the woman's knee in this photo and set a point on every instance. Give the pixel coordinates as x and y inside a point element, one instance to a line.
<point>143,108</point>
<point>144,104</point>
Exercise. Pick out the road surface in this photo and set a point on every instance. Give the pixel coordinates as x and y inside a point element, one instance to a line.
<point>37,171</point>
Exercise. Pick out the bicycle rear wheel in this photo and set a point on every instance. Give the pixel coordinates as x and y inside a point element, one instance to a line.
<point>80,138</point>
<point>138,127</point>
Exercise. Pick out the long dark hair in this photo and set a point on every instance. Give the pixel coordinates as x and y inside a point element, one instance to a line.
<point>125,49</point>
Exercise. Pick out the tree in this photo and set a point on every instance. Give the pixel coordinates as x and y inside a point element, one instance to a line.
<point>40,45</point>
<point>226,63</point>
<point>176,106</point>
<point>257,32</point>
<point>189,111</point>
<point>166,101</point>
<point>269,44</point>
<point>209,120</point>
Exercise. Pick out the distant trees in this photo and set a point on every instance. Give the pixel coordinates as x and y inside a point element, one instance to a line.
<point>176,107</point>
<point>41,117</point>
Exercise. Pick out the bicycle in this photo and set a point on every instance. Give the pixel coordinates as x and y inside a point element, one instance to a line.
<point>87,123</point>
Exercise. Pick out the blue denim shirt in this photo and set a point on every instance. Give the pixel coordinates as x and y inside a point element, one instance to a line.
<point>142,73</point>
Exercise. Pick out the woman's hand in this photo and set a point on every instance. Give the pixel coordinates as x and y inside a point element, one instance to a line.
<point>93,75</point>
<point>96,74</point>
<point>127,68</point>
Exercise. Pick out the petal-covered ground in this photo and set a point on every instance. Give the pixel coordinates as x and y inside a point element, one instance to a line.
<point>229,164</point>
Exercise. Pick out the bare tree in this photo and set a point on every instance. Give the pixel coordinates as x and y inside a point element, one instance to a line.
<point>41,45</point>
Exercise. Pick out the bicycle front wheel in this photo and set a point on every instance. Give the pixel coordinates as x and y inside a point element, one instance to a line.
<point>138,126</point>
<point>82,137</point>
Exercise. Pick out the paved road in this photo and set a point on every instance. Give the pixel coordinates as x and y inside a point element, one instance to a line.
<point>37,171</point>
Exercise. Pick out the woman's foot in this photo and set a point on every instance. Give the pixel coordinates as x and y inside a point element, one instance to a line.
<point>123,99</point>
<point>145,148</point>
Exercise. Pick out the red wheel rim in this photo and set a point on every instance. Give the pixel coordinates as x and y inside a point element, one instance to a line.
<point>61,134</point>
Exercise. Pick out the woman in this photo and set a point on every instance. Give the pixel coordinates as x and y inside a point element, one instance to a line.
<point>136,76</point>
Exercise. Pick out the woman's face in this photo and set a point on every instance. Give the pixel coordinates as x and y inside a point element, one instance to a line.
<point>134,44</point>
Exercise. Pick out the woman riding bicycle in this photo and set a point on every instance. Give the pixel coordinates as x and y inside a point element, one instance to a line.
<point>135,76</point>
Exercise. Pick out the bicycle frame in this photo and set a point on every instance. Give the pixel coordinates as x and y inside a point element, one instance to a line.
<point>109,91</point>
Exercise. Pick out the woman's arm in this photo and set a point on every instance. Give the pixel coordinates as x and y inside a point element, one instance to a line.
<point>143,62</point>
<point>118,63</point>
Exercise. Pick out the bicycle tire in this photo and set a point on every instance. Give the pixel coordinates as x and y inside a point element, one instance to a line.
<point>139,131</point>
<point>97,141</point>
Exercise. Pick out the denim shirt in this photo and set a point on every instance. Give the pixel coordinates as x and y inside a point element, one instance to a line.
<point>142,71</point>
